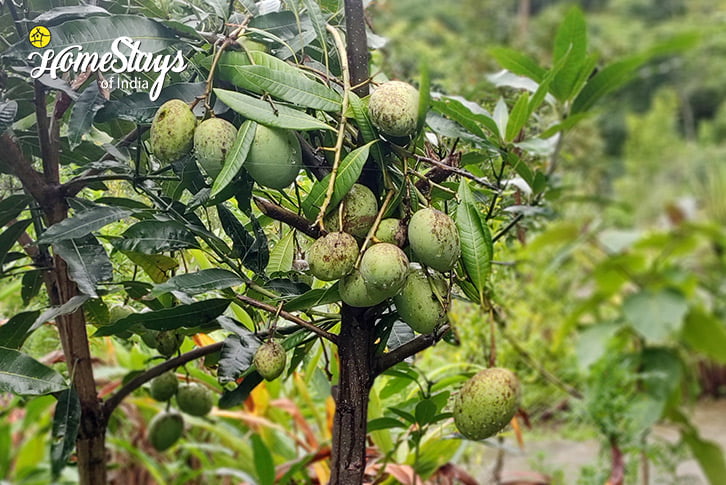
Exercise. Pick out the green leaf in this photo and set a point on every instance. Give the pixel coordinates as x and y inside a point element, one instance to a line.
<point>87,262</point>
<point>12,206</point>
<point>709,455</point>
<point>10,236</point>
<point>14,332</point>
<point>199,282</point>
<point>400,334</point>
<point>23,375</point>
<point>425,411</point>
<point>192,315</point>
<point>348,173</point>
<point>8,110</point>
<point>313,298</point>
<point>236,356</point>
<point>32,281</point>
<point>55,311</point>
<point>570,41</point>
<point>501,117</point>
<point>153,237</point>
<point>424,94</point>
<point>264,465</point>
<point>518,118</point>
<point>467,114</point>
<point>66,422</point>
<point>84,108</point>
<point>230,61</point>
<point>263,112</point>
<point>291,86</point>
<point>157,266</point>
<point>518,63</point>
<point>384,423</point>
<point>319,25</point>
<point>252,250</point>
<point>282,255</point>
<point>82,223</point>
<point>369,133</point>
<point>656,315</point>
<point>235,157</point>
<point>476,240</point>
<point>704,333</point>
<point>606,80</point>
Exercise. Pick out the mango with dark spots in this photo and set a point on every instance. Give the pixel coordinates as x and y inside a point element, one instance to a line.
<point>172,131</point>
<point>418,305</point>
<point>213,139</point>
<point>360,208</point>
<point>434,239</point>
<point>332,256</point>
<point>393,108</point>
<point>392,231</point>
<point>486,403</point>
<point>270,359</point>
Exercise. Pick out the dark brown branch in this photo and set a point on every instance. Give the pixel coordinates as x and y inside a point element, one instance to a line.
<point>508,228</point>
<point>453,166</point>
<point>48,138</point>
<point>357,46</point>
<point>410,349</point>
<point>138,381</point>
<point>289,317</point>
<point>315,162</point>
<point>270,209</point>
<point>13,160</point>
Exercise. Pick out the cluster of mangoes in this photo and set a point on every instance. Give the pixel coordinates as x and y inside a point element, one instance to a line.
<point>274,159</point>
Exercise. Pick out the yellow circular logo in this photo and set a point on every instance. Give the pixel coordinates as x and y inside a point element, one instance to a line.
<point>39,36</point>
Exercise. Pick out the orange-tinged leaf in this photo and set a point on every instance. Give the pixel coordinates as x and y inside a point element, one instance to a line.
<point>517,431</point>
<point>293,410</point>
<point>260,400</point>
<point>202,340</point>
<point>330,413</point>
<point>322,471</point>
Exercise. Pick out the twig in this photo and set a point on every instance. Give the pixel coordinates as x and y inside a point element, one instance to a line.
<point>138,381</point>
<point>410,348</point>
<point>289,317</point>
<point>341,127</point>
<point>508,228</point>
<point>456,157</point>
<point>374,227</point>
<point>270,209</point>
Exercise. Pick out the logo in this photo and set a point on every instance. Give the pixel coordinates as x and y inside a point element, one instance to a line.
<point>39,36</point>
<point>125,57</point>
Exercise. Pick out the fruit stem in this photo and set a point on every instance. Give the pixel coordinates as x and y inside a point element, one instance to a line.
<point>374,227</point>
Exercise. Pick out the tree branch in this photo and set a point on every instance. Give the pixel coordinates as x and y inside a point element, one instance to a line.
<point>316,163</point>
<point>138,381</point>
<point>289,317</point>
<point>12,159</point>
<point>48,139</point>
<point>357,46</point>
<point>410,348</point>
<point>270,209</point>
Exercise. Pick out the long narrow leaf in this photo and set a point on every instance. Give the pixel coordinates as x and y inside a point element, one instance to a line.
<point>476,240</point>
<point>82,224</point>
<point>236,157</point>
<point>23,375</point>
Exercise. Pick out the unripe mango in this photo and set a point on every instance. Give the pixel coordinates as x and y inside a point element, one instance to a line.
<point>270,359</point>
<point>354,291</point>
<point>164,386</point>
<point>333,256</point>
<point>168,342</point>
<point>172,131</point>
<point>418,305</point>
<point>359,212</point>
<point>165,430</point>
<point>434,239</point>
<point>392,231</point>
<point>213,138</point>
<point>384,266</point>
<point>195,399</point>
<point>275,157</point>
<point>393,108</point>
<point>486,403</point>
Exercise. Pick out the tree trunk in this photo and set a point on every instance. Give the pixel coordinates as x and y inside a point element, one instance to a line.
<point>355,352</point>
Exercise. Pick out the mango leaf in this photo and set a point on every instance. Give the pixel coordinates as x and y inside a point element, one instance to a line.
<point>313,298</point>
<point>606,80</point>
<point>199,282</point>
<point>236,356</point>
<point>656,314</point>
<point>476,240</point>
<point>82,223</point>
<point>709,455</point>
<point>237,395</point>
<point>23,375</point>
<point>570,41</point>
<point>235,157</point>
<point>84,108</point>
<point>518,63</point>
<point>424,95</point>
<point>193,315</point>
<point>66,422</point>
<point>467,114</point>
<point>153,237</point>
<point>263,112</point>
<point>518,118</point>
<point>369,133</point>
<point>32,281</point>
<point>282,255</point>
<point>253,251</point>
<point>400,334</point>
<point>230,61</point>
<point>58,15</point>
<point>14,332</point>
<point>384,423</point>
<point>87,262</point>
<point>157,266</point>
<point>8,111</point>
<point>704,333</point>
<point>348,173</point>
<point>10,236</point>
<point>264,465</point>
<point>501,117</point>
<point>319,25</point>
<point>53,312</point>
<point>291,86</point>
<point>12,206</point>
